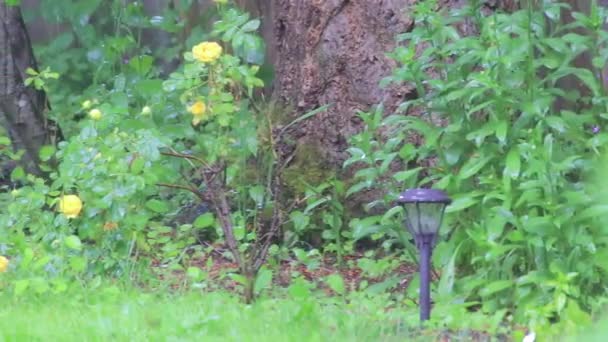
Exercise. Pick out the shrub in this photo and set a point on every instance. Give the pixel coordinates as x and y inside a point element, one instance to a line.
<point>510,145</point>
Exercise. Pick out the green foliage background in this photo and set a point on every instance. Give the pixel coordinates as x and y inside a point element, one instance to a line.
<point>524,243</point>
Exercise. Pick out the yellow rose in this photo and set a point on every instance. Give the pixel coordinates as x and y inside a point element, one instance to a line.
<point>207,52</point>
<point>198,110</point>
<point>87,104</point>
<point>70,206</point>
<point>3,264</point>
<point>95,114</point>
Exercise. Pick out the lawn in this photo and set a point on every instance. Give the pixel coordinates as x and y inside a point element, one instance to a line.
<point>120,315</point>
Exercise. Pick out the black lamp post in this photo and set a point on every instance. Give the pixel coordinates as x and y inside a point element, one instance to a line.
<point>424,209</point>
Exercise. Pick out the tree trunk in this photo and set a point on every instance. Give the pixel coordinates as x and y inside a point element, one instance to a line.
<point>333,52</point>
<point>21,108</point>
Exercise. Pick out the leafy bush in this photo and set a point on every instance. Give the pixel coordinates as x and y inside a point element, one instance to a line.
<point>112,161</point>
<point>513,148</point>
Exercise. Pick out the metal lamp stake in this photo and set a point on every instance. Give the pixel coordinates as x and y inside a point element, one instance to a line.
<point>424,209</point>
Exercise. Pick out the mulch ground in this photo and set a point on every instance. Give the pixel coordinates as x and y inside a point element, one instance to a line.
<point>217,265</point>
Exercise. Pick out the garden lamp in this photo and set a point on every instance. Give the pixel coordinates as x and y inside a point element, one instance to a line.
<point>424,209</point>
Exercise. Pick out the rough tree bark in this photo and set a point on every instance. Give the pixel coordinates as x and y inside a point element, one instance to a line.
<point>333,52</point>
<point>21,108</point>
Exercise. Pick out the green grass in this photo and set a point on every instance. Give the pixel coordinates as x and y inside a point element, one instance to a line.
<point>116,315</point>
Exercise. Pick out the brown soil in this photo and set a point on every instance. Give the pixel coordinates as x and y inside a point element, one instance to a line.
<point>218,267</point>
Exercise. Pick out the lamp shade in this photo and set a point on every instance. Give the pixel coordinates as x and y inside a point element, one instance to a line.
<point>424,209</point>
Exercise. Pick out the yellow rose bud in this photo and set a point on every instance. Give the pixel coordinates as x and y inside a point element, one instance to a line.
<point>207,52</point>
<point>87,104</point>
<point>56,243</point>
<point>95,114</point>
<point>70,206</point>
<point>3,264</point>
<point>146,110</point>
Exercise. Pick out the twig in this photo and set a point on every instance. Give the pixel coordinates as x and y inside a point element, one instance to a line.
<point>184,156</point>
<point>195,191</point>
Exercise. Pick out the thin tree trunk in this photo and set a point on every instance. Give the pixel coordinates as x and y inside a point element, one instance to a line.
<point>21,108</point>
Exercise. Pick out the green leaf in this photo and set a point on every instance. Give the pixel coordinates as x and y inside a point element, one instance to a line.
<point>148,145</point>
<point>251,25</point>
<point>73,242</point>
<point>157,206</point>
<point>513,163</point>
<point>195,274</point>
<point>149,88</point>
<point>446,283</point>
<point>299,289</point>
<point>204,221</point>
<point>305,117</point>
<point>18,173</point>
<point>585,75</point>
<point>40,263</point>
<point>597,210</point>
<point>358,187</point>
<point>137,165</point>
<point>383,286</point>
<point>256,193</point>
<point>141,64</point>
<point>336,283</point>
<point>46,152</point>
<point>316,204</point>
<point>390,214</point>
<point>496,286</point>
<point>171,85</point>
<point>365,227</point>
<point>253,49</point>
<point>542,226</point>
<point>501,131</point>
<point>472,167</point>
<point>21,285</point>
<point>557,123</point>
<point>300,220</point>
<point>38,83</point>
<point>453,154</point>
<point>119,82</point>
<point>39,285</point>
<point>28,256</point>
<point>403,176</point>
<point>239,279</point>
<point>461,203</point>
<point>78,263</point>
<point>601,259</point>
<point>262,281</point>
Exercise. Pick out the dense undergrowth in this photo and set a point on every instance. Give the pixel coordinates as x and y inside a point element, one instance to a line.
<point>162,169</point>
